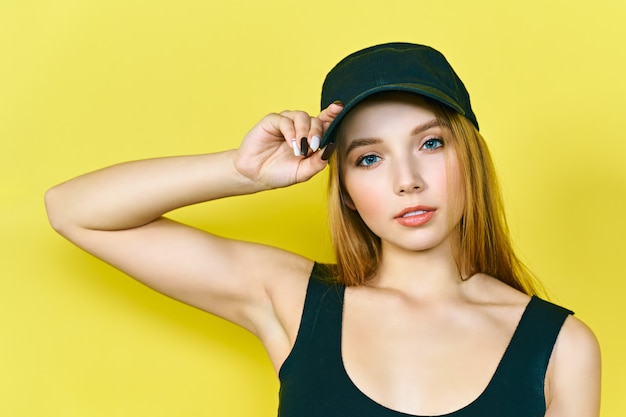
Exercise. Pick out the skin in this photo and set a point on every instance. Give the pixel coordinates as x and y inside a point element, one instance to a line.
<point>413,338</point>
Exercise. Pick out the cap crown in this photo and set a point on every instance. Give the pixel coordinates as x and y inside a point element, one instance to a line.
<point>406,67</point>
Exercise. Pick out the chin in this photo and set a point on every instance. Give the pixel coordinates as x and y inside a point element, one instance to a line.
<point>420,247</point>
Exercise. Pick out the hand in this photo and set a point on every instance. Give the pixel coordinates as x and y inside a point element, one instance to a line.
<point>267,154</point>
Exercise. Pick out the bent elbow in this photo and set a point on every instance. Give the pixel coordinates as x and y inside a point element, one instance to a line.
<point>54,209</point>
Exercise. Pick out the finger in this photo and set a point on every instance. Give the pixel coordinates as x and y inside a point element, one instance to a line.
<point>301,122</point>
<point>320,124</point>
<point>277,125</point>
<point>310,166</point>
<point>315,133</point>
<point>329,113</point>
<point>287,129</point>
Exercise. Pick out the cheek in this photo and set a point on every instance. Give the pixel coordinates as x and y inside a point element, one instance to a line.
<point>372,210</point>
<point>367,207</point>
<point>362,195</point>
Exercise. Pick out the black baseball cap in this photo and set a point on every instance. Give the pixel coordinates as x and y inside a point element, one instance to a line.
<point>396,66</point>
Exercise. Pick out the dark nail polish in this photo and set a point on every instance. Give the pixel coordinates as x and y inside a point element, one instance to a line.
<point>304,147</point>
<point>328,151</point>
<point>338,102</point>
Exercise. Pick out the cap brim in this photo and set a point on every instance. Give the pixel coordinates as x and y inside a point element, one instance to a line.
<point>423,90</point>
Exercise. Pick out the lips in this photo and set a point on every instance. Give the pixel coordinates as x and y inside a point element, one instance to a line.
<point>415,216</point>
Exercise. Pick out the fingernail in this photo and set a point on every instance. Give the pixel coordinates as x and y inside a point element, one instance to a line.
<point>338,102</point>
<point>294,145</point>
<point>315,143</point>
<point>304,146</point>
<point>328,151</point>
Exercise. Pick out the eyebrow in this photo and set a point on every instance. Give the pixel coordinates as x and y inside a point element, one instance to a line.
<point>357,143</point>
<point>424,127</point>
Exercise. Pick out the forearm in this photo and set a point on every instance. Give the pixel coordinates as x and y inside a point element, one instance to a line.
<point>135,193</point>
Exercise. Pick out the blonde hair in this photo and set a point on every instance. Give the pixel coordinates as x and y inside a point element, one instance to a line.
<point>480,241</point>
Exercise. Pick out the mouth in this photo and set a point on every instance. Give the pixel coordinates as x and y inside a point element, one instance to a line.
<point>414,211</point>
<point>415,216</point>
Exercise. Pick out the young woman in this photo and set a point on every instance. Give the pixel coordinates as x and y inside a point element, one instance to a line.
<point>427,312</point>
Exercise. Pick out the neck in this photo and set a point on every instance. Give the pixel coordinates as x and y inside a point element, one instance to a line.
<point>429,274</point>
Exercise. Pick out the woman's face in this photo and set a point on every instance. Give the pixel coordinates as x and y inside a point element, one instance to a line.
<point>398,169</point>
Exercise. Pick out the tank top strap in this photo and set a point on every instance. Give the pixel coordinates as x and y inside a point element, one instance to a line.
<point>525,361</point>
<point>323,309</point>
<point>319,334</point>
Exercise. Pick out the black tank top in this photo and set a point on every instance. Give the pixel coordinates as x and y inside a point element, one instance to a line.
<point>314,383</point>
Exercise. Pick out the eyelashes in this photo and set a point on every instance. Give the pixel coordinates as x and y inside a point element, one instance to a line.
<point>367,160</point>
<point>371,159</point>
<point>432,144</point>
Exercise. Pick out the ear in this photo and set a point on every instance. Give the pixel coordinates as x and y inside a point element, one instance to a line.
<point>346,200</point>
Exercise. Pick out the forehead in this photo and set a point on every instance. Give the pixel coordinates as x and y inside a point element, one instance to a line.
<point>374,112</point>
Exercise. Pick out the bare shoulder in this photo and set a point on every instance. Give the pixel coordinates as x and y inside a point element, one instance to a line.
<point>573,379</point>
<point>485,289</point>
<point>576,349</point>
<point>576,338</point>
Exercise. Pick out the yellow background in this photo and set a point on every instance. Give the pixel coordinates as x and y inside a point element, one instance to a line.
<point>85,84</point>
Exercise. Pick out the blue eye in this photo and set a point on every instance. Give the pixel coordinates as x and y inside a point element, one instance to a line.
<point>433,143</point>
<point>367,160</point>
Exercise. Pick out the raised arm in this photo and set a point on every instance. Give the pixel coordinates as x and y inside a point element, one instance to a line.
<point>117,213</point>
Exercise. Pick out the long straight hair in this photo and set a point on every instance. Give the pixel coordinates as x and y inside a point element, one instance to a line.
<point>480,241</point>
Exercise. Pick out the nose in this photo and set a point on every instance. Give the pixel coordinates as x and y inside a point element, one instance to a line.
<point>407,178</point>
